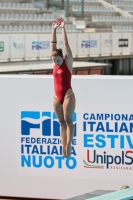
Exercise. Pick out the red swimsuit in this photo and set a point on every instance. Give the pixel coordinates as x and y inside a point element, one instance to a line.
<point>62,81</point>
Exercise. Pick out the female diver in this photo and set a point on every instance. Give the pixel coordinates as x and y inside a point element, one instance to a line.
<point>64,98</point>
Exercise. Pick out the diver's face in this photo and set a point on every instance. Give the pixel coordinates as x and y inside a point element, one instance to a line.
<point>57,60</point>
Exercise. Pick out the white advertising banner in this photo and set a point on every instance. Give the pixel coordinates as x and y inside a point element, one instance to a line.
<point>83,44</point>
<point>32,46</point>
<point>106,43</point>
<point>45,46</point>
<point>116,46</point>
<point>4,47</point>
<point>102,147</point>
<point>94,40</point>
<point>126,43</point>
<point>17,47</point>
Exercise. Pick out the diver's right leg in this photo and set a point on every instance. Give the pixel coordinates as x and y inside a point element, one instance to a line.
<point>59,114</point>
<point>68,110</point>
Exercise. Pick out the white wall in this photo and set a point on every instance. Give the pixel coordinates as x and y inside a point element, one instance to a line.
<point>111,138</point>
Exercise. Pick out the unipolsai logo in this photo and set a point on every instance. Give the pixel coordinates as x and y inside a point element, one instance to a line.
<point>40,140</point>
<point>109,161</point>
<point>1,46</point>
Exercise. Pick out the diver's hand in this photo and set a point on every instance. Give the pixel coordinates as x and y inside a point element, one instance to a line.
<point>55,23</point>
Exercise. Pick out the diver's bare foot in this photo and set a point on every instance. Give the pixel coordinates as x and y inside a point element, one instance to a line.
<point>68,150</point>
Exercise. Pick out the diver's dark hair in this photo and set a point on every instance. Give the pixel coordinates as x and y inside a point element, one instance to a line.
<point>57,52</point>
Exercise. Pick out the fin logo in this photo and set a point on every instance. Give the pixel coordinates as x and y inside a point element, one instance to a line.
<point>46,121</point>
